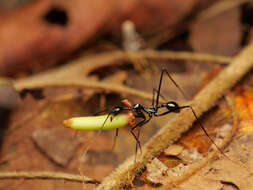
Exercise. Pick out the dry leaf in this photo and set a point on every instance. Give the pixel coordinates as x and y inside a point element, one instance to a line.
<point>57,143</point>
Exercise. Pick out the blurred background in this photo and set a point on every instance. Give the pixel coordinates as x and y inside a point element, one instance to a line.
<point>60,59</point>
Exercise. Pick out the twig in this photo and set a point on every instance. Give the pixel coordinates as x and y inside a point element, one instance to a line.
<point>48,175</point>
<point>173,130</point>
<point>64,75</point>
<point>78,66</point>
<point>180,55</point>
<point>80,82</point>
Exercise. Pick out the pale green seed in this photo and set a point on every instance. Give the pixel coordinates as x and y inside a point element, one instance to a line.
<point>96,122</point>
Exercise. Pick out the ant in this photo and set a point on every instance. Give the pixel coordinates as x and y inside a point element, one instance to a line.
<point>146,113</point>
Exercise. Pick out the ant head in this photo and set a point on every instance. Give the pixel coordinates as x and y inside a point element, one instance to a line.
<point>173,107</point>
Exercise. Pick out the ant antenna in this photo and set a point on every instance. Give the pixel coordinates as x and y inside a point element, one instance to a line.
<point>115,138</point>
<point>202,127</point>
<point>218,148</point>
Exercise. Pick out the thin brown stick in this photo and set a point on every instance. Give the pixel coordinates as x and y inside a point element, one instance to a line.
<point>173,130</point>
<point>83,83</point>
<point>179,55</point>
<point>78,66</point>
<point>48,175</point>
<point>64,75</point>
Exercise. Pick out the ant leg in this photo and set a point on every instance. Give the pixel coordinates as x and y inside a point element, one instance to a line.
<point>115,138</point>
<point>109,115</point>
<point>138,125</point>
<point>136,145</point>
<point>160,84</point>
<point>159,89</point>
<point>88,147</point>
<point>163,97</point>
<point>94,139</point>
<point>137,142</point>
<point>174,82</point>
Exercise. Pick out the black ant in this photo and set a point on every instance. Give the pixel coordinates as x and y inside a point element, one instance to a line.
<point>146,113</point>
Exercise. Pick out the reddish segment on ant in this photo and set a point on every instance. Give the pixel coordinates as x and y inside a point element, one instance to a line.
<point>146,113</point>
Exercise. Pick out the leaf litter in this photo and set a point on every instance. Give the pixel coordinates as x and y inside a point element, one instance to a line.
<point>28,156</point>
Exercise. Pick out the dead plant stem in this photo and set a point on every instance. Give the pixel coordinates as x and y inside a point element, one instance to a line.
<point>47,175</point>
<point>65,75</point>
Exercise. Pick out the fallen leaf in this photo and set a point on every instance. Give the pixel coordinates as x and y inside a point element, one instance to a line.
<point>56,29</point>
<point>57,143</point>
<point>173,150</point>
